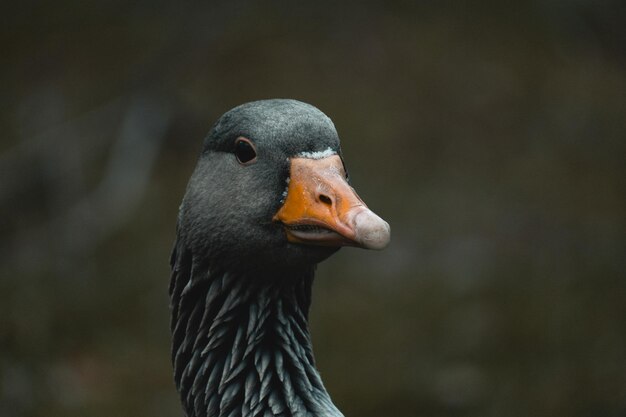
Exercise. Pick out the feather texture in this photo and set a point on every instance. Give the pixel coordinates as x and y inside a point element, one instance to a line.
<point>241,343</point>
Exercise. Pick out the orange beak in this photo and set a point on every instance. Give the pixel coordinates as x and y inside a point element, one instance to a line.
<point>321,208</point>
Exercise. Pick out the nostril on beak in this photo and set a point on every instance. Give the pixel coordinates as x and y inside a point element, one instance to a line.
<point>326,199</point>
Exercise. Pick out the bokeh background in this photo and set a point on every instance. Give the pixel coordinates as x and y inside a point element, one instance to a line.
<point>491,135</point>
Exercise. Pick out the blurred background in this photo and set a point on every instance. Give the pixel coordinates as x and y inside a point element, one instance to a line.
<point>491,136</point>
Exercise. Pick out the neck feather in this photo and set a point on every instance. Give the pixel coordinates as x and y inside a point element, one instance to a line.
<point>241,343</point>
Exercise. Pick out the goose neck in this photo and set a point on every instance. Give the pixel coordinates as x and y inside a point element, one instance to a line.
<point>241,343</point>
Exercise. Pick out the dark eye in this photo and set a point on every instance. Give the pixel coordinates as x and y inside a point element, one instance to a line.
<point>244,151</point>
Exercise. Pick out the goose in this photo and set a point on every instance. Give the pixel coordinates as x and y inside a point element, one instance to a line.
<point>267,201</point>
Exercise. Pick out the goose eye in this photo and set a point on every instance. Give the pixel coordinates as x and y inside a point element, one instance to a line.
<point>244,151</point>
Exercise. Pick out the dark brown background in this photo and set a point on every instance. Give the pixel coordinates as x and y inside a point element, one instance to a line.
<point>490,136</point>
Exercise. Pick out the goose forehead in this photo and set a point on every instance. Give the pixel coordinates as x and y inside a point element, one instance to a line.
<point>318,154</point>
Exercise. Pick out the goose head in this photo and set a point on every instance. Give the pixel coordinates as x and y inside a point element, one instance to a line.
<point>270,190</point>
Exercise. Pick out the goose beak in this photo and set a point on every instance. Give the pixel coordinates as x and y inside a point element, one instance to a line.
<point>321,208</point>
